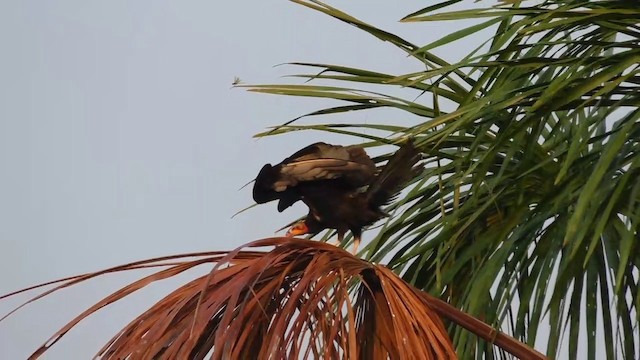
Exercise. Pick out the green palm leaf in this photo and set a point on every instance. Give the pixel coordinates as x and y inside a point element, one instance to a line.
<point>530,202</point>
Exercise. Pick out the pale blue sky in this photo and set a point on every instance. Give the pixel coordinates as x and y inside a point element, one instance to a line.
<point>121,138</point>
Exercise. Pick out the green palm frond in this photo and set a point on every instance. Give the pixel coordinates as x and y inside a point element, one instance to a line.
<point>529,206</point>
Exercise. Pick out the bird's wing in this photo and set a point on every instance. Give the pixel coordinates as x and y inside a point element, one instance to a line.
<point>321,161</point>
<point>394,175</point>
<point>313,151</point>
<point>354,173</point>
<point>318,163</point>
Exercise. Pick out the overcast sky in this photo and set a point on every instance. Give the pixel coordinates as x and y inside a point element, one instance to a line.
<point>121,138</point>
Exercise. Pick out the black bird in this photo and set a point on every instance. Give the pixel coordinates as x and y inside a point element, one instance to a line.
<point>339,184</point>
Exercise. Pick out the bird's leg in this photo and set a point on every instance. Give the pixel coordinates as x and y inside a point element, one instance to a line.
<point>356,244</point>
<point>339,240</point>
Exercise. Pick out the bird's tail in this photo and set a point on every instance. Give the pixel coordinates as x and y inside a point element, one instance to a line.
<point>398,171</point>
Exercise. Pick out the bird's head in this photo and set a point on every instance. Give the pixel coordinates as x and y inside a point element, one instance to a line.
<point>299,228</point>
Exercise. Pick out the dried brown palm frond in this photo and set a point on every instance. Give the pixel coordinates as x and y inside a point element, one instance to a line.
<point>301,299</point>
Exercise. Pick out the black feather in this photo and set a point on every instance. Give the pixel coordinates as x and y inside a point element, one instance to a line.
<point>398,171</point>
<point>262,191</point>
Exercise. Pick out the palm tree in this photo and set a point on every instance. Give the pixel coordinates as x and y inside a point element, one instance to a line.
<point>525,217</point>
<point>528,213</point>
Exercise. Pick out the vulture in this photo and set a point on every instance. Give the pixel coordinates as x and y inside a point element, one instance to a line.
<point>340,184</point>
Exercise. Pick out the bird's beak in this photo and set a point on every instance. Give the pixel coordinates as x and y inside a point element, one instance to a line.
<point>297,229</point>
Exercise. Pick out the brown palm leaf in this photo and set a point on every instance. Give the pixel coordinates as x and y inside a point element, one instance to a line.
<point>302,299</point>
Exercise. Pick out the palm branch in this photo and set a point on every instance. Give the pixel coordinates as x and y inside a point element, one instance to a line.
<point>527,214</point>
<point>301,299</point>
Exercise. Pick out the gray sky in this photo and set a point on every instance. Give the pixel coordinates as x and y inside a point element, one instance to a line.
<point>121,139</point>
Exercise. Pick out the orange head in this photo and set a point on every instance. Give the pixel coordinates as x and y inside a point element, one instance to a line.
<point>299,228</point>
